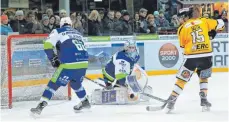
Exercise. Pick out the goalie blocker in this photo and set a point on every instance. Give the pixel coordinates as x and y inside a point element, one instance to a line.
<point>137,84</point>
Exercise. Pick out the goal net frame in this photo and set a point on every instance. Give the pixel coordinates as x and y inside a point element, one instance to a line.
<point>9,64</point>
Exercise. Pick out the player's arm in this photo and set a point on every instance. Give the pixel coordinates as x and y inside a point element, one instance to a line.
<point>180,34</point>
<point>49,45</point>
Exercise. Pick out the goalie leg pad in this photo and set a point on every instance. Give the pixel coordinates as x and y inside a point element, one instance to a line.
<point>117,96</point>
<point>133,84</point>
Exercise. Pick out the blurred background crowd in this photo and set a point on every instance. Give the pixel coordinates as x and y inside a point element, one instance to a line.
<point>115,19</point>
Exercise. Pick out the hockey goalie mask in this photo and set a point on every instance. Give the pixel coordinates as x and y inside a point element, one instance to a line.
<point>131,49</point>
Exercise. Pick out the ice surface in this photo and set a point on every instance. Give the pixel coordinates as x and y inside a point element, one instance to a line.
<point>187,106</point>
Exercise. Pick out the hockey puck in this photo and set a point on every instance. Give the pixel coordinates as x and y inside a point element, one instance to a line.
<point>132,96</point>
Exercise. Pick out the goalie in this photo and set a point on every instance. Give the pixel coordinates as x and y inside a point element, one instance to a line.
<point>122,85</point>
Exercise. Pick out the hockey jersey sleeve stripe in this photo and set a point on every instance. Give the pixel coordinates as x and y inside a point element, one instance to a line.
<point>48,45</point>
<point>107,75</point>
<point>120,76</point>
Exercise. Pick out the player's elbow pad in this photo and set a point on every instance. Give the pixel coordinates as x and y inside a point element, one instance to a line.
<point>220,25</point>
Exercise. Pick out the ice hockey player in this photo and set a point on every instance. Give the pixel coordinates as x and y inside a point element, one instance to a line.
<point>194,36</point>
<point>71,62</point>
<point>117,76</point>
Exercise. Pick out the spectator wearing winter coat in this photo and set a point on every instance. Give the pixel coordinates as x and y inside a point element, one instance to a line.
<point>19,23</point>
<point>57,23</point>
<point>94,24</point>
<point>45,25</point>
<point>32,26</point>
<point>5,27</point>
<point>224,18</point>
<point>143,22</point>
<point>125,27</point>
<point>151,24</point>
<point>162,21</point>
<point>52,22</point>
<point>110,25</point>
<point>136,23</point>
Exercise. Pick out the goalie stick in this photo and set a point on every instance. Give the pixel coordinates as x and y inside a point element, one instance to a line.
<point>148,95</point>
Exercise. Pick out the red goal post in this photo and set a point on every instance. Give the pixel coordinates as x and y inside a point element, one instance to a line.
<point>25,70</point>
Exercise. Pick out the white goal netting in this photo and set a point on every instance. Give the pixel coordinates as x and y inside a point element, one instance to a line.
<point>25,70</point>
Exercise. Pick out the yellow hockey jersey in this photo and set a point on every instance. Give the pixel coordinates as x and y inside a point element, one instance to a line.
<point>194,38</point>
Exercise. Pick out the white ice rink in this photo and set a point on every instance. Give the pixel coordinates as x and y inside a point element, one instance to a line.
<point>187,107</point>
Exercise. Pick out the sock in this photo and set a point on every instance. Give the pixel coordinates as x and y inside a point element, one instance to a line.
<point>204,85</point>
<point>79,90</point>
<point>178,88</point>
<point>49,91</point>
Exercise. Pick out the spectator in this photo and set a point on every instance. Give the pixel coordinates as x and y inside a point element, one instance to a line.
<point>32,26</point>
<point>117,16</point>
<point>63,13</point>
<point>143,22</point>
<point>162,21</point>
<point>19,23</point>
<point>151,23</point>
<point>5,28</point>
<point>216,14</point>
<point>156,18</point>
<point>94,24</point>
<point>49,12</point>
<point>206,15</point>
<point>57,21</point>
<point>110,24</point>
<point>125,27</point>
<point>52,22</point>
<point>175,22</point>
<point>224,18</point>
<point>101,14</point>
<point>45,24</point>
<point>84,21</point>
<point>76,20</point>
<point>136,23</point>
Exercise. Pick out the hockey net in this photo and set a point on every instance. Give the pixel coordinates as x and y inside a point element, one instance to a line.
<point>25,70</point>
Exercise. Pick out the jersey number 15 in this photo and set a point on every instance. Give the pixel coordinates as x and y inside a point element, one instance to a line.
<point>196,37</point>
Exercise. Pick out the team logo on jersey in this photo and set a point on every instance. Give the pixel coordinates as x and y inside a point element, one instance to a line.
<point>168,55</point>
<point>185,74</point>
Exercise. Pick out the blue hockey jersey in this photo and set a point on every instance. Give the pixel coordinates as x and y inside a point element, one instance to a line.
<point>119,66</point>
<point>69,45</point>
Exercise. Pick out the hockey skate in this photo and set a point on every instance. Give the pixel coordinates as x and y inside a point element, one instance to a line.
<point>170,104</point>
<point>82,105</point>
<point>204,102</point>
<point>39,108</point>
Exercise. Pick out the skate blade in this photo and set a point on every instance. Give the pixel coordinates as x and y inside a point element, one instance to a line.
<point>86,109</point>
<point>205,109</point>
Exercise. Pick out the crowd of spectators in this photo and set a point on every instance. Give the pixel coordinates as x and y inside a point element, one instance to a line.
<point>95,23</point>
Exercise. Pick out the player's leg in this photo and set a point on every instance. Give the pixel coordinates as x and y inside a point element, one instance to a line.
<point>59,79</point>
<point>204,71</point>
<point>183,76</point>
<point>77,86</point>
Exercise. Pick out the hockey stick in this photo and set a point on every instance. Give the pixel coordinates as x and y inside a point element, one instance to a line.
<point>95,82</point>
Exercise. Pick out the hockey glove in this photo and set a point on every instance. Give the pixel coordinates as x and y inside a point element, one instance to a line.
<point>55,61</point>
<point>212,34</point>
